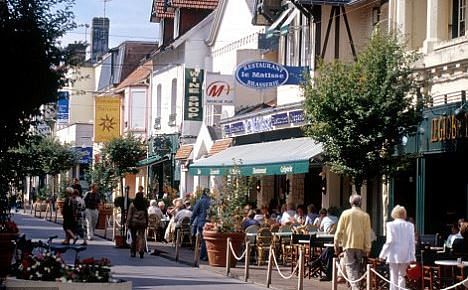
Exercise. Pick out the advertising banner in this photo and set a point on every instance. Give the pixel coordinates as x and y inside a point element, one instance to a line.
<point>219,89</point>
<point>62,108</point>
<point>193,109</point>
<point>86,154</point>
<point>106,118</point>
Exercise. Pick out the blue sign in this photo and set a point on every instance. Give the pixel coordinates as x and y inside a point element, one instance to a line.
<point>227,129</point>
<point>62,108</point>
<point>296,116</point>
<point>279,119</point>
<point>237,128</point>
<point>261,74</point>
<point>86,154</point>
<point>296,74</point>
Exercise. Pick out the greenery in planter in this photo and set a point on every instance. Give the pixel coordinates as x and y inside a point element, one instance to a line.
<point>226,210</point>
<point>361,111</point>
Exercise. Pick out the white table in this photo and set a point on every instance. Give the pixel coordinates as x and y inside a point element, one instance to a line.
<point>451,263</point>
<point>323,235</point>
<point>329,245</point>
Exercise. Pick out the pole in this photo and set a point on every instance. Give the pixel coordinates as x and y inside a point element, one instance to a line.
<point>196,258</point>
<point>368,277</point>
<point>247,261</point>
<point>177,245</point>
<point>228,256</point>
<point>300,281</point>
<point>334,284</point>
<point>270,262</point>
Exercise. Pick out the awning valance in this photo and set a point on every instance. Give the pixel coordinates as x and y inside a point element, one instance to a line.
<point>291,156</point>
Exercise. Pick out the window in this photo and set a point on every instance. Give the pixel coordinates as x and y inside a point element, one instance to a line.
<point>458,26</point>
<point>138,110</point>
<point>176,23</point>
<point>158,100</point>
<point>174,96</point>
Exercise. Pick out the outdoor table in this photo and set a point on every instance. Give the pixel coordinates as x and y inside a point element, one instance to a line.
<point>451,265</point>
<point>329,245</point>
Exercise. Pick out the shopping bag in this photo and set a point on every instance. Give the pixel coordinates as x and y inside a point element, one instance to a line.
<point>129,237</point>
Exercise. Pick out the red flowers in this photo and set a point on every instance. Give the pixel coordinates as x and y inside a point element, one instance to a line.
<point>8,227</point>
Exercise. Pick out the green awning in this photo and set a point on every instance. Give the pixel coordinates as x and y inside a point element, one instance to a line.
<point>291,156</point>
<point>152,160</point>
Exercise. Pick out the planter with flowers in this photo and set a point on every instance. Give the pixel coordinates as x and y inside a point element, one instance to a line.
<point>226,218</point>
<point>8,233</point>
<point>50,271</point>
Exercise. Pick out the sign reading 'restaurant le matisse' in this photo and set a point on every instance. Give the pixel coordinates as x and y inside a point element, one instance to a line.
<point>261,74</point>
<point>193,110</point>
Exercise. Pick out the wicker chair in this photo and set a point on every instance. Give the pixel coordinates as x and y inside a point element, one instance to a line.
<point>264,241</point>
<point>285,242</point>
<point>154,224</point>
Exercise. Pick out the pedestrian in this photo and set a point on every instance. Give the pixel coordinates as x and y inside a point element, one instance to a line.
<point>140,190</point>
<point>137,222</point>
<point>76,185</point>
<point>399,248</point>
<point>68,214</point>
<point>353,236</point>
<point>92,200</point>
<point>80,217</point>
<point>198,219</point>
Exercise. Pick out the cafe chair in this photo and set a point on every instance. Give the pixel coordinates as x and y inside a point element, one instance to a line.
<point>264,241</point>
<point>431,277</point>
<point>285,242</point>
<point>154,224</point>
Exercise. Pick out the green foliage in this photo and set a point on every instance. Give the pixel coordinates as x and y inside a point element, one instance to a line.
<point>226,210</point>
<point>123,154</point>
<point>104,176</point>
<point>361,111</point>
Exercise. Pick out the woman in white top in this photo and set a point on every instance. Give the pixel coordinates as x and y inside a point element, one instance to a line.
<point>399,249</point>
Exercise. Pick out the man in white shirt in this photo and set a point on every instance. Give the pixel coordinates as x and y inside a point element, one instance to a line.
<point>288,216</point>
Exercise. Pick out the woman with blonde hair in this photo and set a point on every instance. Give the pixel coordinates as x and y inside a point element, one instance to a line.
<point>399,248</point>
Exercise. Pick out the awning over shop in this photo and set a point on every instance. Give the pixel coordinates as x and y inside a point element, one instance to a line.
<point>285,26</point>
<point>291,156</point>
<point>152,160</point>
<point>273,27</point>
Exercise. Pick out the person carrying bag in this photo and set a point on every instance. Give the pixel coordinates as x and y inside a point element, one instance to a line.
<point>137,222</point>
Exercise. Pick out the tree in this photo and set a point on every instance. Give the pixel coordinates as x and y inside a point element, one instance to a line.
<point>121,155</point>
<point>32,71</point>
<point>360,111</point>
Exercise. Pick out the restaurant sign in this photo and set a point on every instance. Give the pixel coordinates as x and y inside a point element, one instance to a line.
<point>261,74</point>
<point>293,167</point>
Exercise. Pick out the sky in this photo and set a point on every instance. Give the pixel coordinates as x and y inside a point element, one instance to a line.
<point>129,20</point>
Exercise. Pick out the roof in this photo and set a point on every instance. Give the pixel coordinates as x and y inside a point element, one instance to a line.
<point>220,145</point>
<point>159,11</point>
<point>137,77</point>
<point>186,36</point>
<point>197,4</point>
<point>331,2</point>
<point>290,156</point>
<point>184,152</point>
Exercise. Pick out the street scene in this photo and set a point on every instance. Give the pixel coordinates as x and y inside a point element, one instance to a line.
<point>225,144</point>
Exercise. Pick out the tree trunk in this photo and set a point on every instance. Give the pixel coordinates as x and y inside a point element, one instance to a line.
<point>123,209</point>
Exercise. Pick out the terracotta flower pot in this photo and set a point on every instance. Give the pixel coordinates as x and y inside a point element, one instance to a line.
<point>216,246</point>
<point>6,252</point>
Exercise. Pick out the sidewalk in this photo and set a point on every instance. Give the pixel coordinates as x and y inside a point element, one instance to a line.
<point>257,274</point>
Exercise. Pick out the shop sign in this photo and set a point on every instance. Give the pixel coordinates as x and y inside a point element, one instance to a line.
<point>62,108</point>
<point>237,128</point>
<point>193,110</point>
<point>258,124</point>
<point>296,116</point>
<point>279,119</point>
<point>261,170</point>
<point>285,169</point>
<point>219,89</point>
<point>445,128</point>
<point>106,118</point>
<point>261,74</point>
<point>86,154</point>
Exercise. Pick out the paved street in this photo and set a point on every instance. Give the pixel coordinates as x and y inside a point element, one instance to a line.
<point>152,272</point>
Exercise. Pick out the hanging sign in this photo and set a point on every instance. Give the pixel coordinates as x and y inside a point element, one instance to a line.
<point>193,110</point>
<point>106,118</point>
<point>219,89</point>
<point>261,74</point>
<point>62,108</point>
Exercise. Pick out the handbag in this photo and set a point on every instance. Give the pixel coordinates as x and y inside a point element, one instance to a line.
<point>129,237</point>
<point>414,272</point>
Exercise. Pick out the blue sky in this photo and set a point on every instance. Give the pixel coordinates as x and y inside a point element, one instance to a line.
<point>129,20</point>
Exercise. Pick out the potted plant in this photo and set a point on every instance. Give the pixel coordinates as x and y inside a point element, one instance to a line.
<point>225,219</point>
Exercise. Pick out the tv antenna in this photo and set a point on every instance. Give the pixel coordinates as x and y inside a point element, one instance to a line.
<point>105,2</point>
